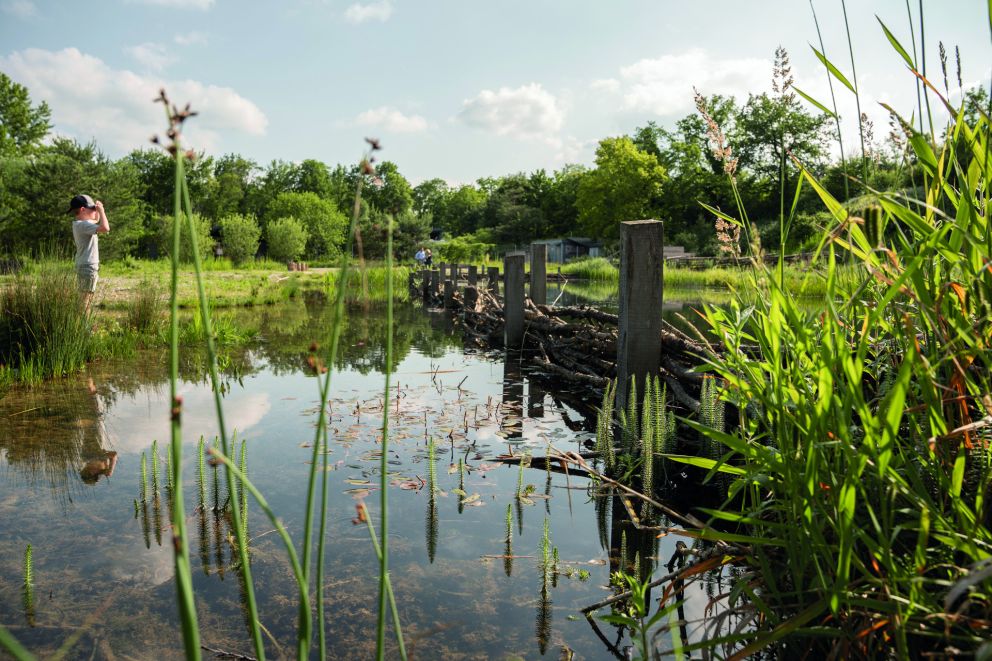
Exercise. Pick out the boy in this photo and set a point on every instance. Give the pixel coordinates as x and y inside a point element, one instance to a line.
<point>90,220</point>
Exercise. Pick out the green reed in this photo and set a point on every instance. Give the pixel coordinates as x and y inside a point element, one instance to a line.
<point>862,460</point>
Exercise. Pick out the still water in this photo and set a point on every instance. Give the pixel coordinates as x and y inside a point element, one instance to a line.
<point>70,486</point>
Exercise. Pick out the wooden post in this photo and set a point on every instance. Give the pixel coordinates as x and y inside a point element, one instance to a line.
<point>425,284</point>
<point>513,299</point>
<point>473,275</point>
<point>449,294</point>
<point>411,283</point>
<point>492,274</point>
<point>641,294</point>
<point>442,267</point>
<point>435,283</point>
<point>539,273</point>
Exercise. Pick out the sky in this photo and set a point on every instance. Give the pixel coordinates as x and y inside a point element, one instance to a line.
<point>457,89</point>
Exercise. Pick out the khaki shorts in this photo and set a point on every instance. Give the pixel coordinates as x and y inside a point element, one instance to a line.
<point>87,282</point>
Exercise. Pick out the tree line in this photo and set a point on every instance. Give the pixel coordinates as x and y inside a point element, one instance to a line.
<point>287,210</point>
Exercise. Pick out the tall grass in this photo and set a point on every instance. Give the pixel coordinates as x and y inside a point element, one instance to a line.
<point>864,432</point>
<point>43,330</point>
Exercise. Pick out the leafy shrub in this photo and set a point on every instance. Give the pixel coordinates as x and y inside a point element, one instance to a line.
<point>240,236</point>
<point>203,239</point>
<point>463,249</point>
<point>286,238</point>
<point>326,226</point>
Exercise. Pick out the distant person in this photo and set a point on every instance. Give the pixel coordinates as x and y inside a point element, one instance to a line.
<point>428,258</point>
<point>90,220</point>
<point>420,256</point>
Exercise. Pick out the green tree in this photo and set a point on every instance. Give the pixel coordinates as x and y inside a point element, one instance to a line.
<point>313,177</point>
<point>240,236</point>
<point>624,186</point>
<point>286,239</point>
<point>325,224</point>
<point>429,197</point>
<point>462,213</point>
<point>22,125</point>
<point>50,179</point>
<point>389,191</point>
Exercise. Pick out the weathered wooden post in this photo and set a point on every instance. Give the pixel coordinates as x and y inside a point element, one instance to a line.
<point>641,294</point>
<point>435,283</point>
<point>513,299</point>
<point>473,275</point>
<point>425,284</point>
<point>539,273</point>
<point>449,294</point>
<point>492,274</point>
<point>411,283</point>
<point>442,267</point>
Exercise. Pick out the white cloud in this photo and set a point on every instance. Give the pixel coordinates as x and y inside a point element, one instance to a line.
<point>89,99</point>
<point>19,8</point>
<point>392,120</point>
<point>528,112</point>
<point>178,4</point>
<point>372,11</point>
<point>663,85</point>
<point>151,56</point>
<point>193,38</point>
<point>605,85</point>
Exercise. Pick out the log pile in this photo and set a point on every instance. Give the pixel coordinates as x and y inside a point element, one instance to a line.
<point>579,343</point>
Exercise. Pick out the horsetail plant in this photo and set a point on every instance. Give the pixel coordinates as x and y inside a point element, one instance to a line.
<point>508,540</point>
<point>28,586</point>
<point>144,478</point>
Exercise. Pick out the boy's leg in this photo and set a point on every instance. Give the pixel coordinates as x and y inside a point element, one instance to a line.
<point>87,286</point>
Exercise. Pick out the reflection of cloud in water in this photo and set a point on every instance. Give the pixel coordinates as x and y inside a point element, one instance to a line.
<point>145,417</point>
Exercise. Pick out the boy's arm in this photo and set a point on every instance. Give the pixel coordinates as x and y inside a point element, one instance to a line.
<point>103,225</point>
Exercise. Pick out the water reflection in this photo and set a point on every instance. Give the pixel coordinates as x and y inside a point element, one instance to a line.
<point>473,589</point>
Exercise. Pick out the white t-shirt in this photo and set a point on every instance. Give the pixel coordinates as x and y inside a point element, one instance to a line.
<point>87,248</point>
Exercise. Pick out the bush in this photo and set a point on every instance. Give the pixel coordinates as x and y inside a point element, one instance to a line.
<point>462,250</point>
<point>204,241</point>
<point>286,238</point>
<point>239,236</point>
<point>326,226</point>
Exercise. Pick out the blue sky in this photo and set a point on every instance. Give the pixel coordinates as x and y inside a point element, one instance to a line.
<point>457,89</point>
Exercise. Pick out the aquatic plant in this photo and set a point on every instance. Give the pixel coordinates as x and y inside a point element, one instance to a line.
<point>154,453</point>
<point>144,478</point>
<point>712,412</point>
<point>604,427</point>
<point>28,586</point>
<point>200,482</point>
<point>508,541</point>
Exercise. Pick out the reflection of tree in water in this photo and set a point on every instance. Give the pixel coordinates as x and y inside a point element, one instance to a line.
<point>289,330</point>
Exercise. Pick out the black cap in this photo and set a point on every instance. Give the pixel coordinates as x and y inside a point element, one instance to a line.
<point>81,201</point>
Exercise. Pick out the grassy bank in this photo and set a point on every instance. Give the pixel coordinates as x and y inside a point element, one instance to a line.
<point>799,280</point>
<point>44,333</point>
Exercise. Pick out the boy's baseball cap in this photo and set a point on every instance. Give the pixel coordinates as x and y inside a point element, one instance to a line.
<point>81,201</point>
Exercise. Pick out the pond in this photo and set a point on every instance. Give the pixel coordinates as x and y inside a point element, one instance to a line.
<point>102,560</point>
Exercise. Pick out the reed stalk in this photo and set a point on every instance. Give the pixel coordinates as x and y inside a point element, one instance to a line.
<point>389,586</point>
<point>216,387</point>
<point>183,573</point>
<point>384,583</point>
<point>321,433</point>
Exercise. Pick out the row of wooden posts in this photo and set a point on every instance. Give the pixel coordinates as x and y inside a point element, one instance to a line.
<point>640,296</point>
